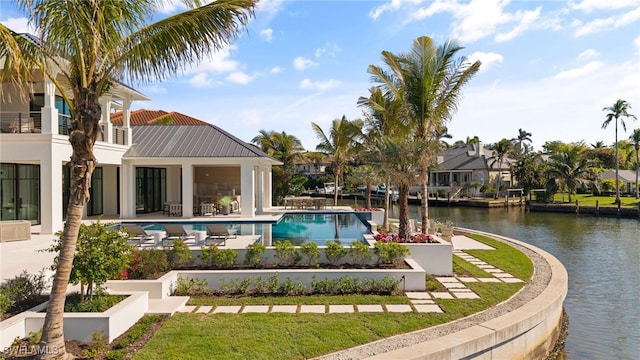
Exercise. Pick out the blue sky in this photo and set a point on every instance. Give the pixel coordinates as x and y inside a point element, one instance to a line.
<point>549,67</point>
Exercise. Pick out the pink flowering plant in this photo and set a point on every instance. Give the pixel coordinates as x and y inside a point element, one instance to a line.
<point>367,209</point>
<point>418,238</point>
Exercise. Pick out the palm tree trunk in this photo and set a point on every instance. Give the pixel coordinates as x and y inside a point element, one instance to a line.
<point>387,205</point>
<point>637,168</point>
<point>424,203</point>
<point>84,132</point>
<point>335,187</point>
<point>368,197</point>
<point>403,213</point>
<point>617,167</point>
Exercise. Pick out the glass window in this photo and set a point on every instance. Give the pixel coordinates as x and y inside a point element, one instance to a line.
<point>20,192</point>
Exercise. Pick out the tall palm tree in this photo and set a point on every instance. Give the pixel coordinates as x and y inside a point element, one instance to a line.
<point>339,145</point>
<point>617,112</point>
<point>598,145</point>
<point>91,45</point>
<point>428,81</point>
<point>523,136</point>
<point>570,166</point>
<point>367,175</point>
<point>500,151</point>
<point>635,139</point>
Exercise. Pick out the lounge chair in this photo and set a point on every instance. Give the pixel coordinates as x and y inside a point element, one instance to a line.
<point>219,232</point>
<point>139,234</point>
<point>175,232</point>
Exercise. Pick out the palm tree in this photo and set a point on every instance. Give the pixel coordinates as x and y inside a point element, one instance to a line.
<point>367,175</point>
<point>340,144</point>
<point>91,45</point>
<point>428,81</point>
<point>635,139</point>
<point>286,148</point>
<point>500,151</point>
<point>570,166</point>
<point>523,136</point>
<point>598,145</point>
<point>617,112</point>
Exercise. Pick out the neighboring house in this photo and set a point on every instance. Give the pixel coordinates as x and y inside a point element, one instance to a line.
<point>466,164</point>
<point>626,176</point>
<point>311,168</point>
<point>140,168</point>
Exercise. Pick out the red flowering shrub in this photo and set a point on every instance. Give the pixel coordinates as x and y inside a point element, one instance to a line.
<point>418,238</point>
<point>367,209</point>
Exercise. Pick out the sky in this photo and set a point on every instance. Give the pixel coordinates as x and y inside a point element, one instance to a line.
<point>548,67</point>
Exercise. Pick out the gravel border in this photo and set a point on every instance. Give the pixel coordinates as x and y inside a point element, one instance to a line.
<point>534,287</point>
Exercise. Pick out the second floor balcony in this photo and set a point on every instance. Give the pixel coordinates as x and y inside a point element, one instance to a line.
<point>31,123</point>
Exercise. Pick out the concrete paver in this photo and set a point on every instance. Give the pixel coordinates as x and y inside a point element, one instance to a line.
<point>227,309</point>
<point>292,309</point>
<point>428,308</point>
<point>417,295</point>
<point>204,309</point>
<point>511,280</point>
<point>263,309</point>
<point>313,309</point>
<point>467,279</point>
<point>341,309</point>
<point>370,308</point>
<point>466,295</point>
<point>442,295</point>
<point>488,280</point>
<point>455,285</point>
<point>186,309</point>
<point>398,308</point>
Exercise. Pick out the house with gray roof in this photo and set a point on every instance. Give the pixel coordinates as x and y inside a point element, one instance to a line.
<point>467,164</point>
<point>628,177</point>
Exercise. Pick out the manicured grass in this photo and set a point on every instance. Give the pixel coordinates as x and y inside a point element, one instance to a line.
<point>506,257</point>
<point>300,336</point>
<point>464,268</point>
<point>590,200</point>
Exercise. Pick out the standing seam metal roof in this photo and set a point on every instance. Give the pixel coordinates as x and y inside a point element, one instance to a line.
<point>188,141</point>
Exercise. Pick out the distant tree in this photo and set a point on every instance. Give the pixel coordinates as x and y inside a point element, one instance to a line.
<point>529,170</point>
<point>570,166</point>
<point>635,139</point>
<point>473,140</point>
<point>616,113</point>
<point>366,175</point>
<point>521,140</point>
<point>339,144</point>
<point>598,145</point>
<point>500,151</point>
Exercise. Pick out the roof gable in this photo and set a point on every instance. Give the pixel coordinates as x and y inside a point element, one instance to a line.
<point>155,117</point>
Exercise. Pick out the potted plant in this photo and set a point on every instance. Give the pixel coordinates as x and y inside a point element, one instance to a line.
<point>446,229</point>
<point>225,205</point>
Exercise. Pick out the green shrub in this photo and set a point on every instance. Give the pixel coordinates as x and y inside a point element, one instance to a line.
<point>286,252</point>
<point>136,331</point>
<point>385,286</point>
<point>254,254</point>
<point>180,255</point>
<point>347,285</point>
<point>310,252</point>
<point>212,256</point>
<point>5,303</point>
<point>115,355</point>
<point>98,302</point>
<point>22,288</point>
<point>390,253</point>
<point>324,286</point>
<point>359,253</point>
<point>334,252</point>
<point>152,263</point>
<point>97,346</point>
<point>292,288</point>
<point>235,286</point>
<point>191,287</point>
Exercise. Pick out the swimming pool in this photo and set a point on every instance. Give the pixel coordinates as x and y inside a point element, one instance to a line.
<point>297,228</point>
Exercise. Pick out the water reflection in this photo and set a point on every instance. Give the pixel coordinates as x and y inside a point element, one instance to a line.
<point>602,257</point>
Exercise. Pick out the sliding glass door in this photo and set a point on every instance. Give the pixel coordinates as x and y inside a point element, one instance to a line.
<point>20,192</point>
<point>151,189</point>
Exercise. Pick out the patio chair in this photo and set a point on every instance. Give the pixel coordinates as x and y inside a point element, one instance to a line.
<point>175,232</point>
<point>139,234</point>
<point>217,232</point>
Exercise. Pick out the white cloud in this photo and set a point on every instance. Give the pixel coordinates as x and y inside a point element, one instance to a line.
<point>636,43</point>
<point>319,85</point>
<point>329,49</point>
<point>488,59</point>
<point>301,63</point>
<point>201,80</point>
<point>608,24</point>
<point>527,19</point>
<point>267,34</point>
<point>154,89</point>
<point>19,25</point>
<point>276,70</point>
<point>271,7</point>
<point>238,77</point>
<point>170,6</point>
<point>218,62</point>
<point>590,5</point>
<point>579,72</point>
<point>390,6</point>
<point>588,54</point>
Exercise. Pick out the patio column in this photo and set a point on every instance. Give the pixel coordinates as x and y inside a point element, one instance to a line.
<point>126,120</point>
<point>267,190</point>
<point>49,113</point>
<point>51,204</point>
<point>127,191</point>
<point>259,189</point>
<point>187,190</point>
<point>247,189</point>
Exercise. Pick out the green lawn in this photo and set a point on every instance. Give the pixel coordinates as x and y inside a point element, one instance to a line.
<point>300,336</point>
<point>590,200</point>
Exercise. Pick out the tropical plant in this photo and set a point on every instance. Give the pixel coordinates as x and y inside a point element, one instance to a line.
<point>86,47</point>
<point>334,252</point>
<point>569,165</point>
<point>499,152</point>
<point>286,253</point>
<point>101,254</point>
<point>428,82</point>
<point>635,139</point>
<point>359,253</point>
<point>522,138</point>
<point>390,253</point>
<point>339,144</point>
<point>180,254</point>
<point>616,113</point>
<point>253,256</point>
<point>310,252</point>
<point>366,175</point>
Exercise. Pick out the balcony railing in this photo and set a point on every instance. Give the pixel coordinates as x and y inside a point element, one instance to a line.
<point>31,122</point>
<point>18,123</point>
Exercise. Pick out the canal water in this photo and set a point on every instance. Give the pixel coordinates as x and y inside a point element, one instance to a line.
<point>602,257</point>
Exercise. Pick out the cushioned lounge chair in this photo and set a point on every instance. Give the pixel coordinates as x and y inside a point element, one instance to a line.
<point>137,233</point>
<point>217,232</point>
<point>175,232</point>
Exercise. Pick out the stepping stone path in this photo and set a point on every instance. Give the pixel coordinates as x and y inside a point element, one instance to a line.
<point>421,301</point>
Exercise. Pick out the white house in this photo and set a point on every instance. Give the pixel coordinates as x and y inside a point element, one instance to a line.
<point>140,168</point>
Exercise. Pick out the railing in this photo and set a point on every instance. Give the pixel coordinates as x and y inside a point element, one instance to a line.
<point>31,122</point>
<point>19,123</point>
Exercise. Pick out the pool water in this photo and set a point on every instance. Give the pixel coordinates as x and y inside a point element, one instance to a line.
<point>297,228</point>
